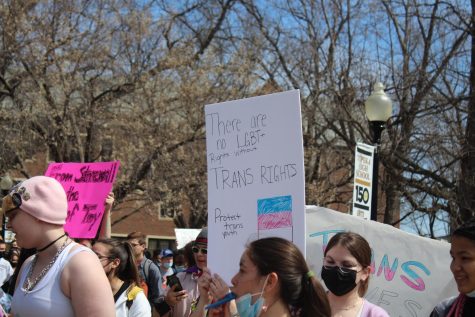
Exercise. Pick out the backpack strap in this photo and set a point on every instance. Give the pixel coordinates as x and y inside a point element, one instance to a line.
<point>146,272</point>
<point>122,289</point>
<point>146,269</point>
<point>131,294</point>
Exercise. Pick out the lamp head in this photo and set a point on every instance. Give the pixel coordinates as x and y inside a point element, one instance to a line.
<point>378,106</point>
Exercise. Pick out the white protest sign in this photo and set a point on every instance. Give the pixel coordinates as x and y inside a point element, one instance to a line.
<point>183,236</point>
<point>256,185</point>
<point>410,274</point>
<point>363,181</point>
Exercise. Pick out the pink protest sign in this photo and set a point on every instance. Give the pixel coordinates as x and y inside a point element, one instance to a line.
<point>86,186</point>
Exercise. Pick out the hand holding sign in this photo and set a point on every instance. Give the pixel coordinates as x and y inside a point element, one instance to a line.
<point>109,201</point>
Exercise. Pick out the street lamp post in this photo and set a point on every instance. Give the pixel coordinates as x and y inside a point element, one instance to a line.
<point>378,109</point>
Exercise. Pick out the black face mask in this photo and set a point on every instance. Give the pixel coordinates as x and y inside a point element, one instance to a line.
<point>339,281</point>
<point>2,254</point>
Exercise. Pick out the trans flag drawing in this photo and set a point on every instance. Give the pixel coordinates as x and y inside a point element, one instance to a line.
<point>274,215</point>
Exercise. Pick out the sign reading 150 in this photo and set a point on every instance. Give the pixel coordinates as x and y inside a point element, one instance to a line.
<point>362,194</point>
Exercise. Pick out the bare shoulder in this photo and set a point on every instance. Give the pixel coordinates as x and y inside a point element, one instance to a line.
<point>82,276</point>
<point>82,267</point>
<point>82,259</point>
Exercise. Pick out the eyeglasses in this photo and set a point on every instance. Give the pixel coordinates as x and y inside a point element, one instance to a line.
<point>134,244</point>
<point>102,257</point>
<point>196,250</point>
<point>11,214</point>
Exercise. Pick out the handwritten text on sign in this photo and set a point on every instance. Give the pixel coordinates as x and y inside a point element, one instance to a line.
<point>256,183</point>
<point>235,137</point>
<point>86,186</point>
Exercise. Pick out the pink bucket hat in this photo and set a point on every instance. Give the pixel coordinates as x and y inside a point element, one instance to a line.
<point>42,197</point>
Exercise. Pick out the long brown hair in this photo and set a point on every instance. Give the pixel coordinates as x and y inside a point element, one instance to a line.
<point>298,288</point>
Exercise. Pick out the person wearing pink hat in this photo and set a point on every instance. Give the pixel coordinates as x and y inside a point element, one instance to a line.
<point>63,278</point>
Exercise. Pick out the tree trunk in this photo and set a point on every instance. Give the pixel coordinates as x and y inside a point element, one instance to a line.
<point>466,192</point>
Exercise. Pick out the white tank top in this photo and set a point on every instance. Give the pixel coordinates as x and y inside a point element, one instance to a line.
<point>46,299</point>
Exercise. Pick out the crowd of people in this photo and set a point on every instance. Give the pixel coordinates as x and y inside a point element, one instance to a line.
<point>46,273</point>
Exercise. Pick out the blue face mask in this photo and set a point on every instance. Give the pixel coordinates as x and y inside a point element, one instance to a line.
<point>180,268</point>
<point>167,265</point>
<point>246,308</point>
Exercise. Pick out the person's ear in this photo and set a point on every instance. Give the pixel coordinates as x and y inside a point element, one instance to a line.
<point>272,282</point>
<point>365,272</point>
<point>115,263</point>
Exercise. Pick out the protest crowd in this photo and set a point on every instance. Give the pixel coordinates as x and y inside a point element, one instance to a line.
<point>44,272</point>
<point>226,158</point>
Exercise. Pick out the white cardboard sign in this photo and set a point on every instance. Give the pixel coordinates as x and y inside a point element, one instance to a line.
<point>410,274</point>
<point>256,185</point>
<point>183,236</point>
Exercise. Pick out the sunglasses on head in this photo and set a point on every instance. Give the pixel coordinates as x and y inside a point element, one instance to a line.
<point>196,250</point>
<point>16,199</point>
<point>12,201</point>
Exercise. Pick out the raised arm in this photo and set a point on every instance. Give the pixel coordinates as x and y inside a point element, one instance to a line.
<point>105,230</point>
